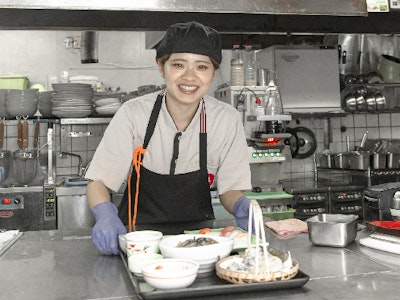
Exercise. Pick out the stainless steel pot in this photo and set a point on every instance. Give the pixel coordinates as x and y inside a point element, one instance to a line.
<point>378,161</point>
<point>342,160</point>
<point>327,160</point>
<point>359,160</point>
<point>392,160</point>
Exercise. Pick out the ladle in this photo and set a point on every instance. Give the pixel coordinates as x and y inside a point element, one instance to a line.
<point>24,161</point>
<point>5,155</point>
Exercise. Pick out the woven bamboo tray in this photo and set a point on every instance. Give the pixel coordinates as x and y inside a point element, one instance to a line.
<point>241,277</point>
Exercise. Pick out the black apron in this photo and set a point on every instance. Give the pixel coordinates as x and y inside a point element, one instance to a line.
<point>170,198</point>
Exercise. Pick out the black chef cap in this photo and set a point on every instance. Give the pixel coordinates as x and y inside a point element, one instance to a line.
<point>191,37</point>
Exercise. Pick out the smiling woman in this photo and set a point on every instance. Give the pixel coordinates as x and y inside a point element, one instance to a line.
<point>180,138</point>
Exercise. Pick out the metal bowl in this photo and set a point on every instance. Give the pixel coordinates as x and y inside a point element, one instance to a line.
<point>334,230</point>
<point>380,102</point>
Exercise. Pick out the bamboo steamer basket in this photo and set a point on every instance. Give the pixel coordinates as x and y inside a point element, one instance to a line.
<point>257,274</point>
<point>242,277</point>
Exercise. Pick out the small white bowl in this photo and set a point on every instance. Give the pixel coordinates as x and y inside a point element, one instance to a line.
<point>167,274</point>
<point>143,241</point>
<point>122,242</point>
<point>136,262</point>
<point>206,255</point>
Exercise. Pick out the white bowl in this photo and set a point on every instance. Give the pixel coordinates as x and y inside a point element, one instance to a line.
<point>136,262</point>
<point>122,242</point>
<point>143,241</point>
<point>206,256</point>
<point>167,274</point>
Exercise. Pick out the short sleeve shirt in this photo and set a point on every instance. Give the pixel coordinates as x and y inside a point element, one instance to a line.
<point>227,154</point>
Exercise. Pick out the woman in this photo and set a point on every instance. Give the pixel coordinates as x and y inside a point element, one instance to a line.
<point>184,142</point>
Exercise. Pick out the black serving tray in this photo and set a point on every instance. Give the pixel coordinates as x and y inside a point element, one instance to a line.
<point>210,284</point>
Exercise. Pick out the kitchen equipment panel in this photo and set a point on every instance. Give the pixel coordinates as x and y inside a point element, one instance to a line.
<point>312,197</point>
<point>28,208</point>
<point>377,201</point>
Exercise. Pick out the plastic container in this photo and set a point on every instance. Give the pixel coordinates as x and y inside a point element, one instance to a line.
<point>14,82</point>
<point>280,215</point>
<point>250,70</point>
<point>237,75</point>
<point>273,100</point>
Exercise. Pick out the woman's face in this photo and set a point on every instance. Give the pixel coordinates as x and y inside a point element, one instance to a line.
<point>187,76</point>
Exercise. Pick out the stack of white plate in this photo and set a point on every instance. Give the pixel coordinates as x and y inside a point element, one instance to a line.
<point>107,106</point>
<point>72,100</point>
<point>87,79</point>
<point>21,102</point>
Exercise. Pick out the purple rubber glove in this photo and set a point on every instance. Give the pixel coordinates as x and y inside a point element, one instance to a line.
<point>241,212</point>
<point>107,228</point>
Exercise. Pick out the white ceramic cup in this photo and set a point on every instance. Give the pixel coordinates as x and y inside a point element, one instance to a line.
<point>143,241</point>
<point>137,261</point>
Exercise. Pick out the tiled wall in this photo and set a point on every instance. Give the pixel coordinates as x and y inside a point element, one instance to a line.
<point>383,125</point>
<point>125,62</point>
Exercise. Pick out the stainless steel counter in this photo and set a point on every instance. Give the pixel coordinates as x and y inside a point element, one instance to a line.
<point>66,265</point>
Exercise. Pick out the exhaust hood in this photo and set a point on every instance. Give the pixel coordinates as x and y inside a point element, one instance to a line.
<point>298,7</point>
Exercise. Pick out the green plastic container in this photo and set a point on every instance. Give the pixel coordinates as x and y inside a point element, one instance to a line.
<point>280,215</point>
<point>14,82</point>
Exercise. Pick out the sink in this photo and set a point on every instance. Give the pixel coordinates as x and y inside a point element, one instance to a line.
<point>75,181</point>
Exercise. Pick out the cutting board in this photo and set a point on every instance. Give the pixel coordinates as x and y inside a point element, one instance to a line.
<point>7,238</point>
<point>382,242</point>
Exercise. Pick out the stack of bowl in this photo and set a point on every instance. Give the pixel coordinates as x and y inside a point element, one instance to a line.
<point>21,102</point>
<point>3,93</point>
<point>44,104</point>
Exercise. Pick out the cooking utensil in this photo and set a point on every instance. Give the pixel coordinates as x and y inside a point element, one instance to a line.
<point>380,101</point>
<point>392,160</point>
<point>360,101</point>
<point>378,160</point>
<point>307,142</point>
<point>327,160</point>
<point>370,102</point>
<point>363,140</point>
<point>359,160</point>
<point>25,135</point>
<point>24,161</point>
<point>5,156</point>
<point>342,160</point>
<point>350,101</point>
<point>292,142</point>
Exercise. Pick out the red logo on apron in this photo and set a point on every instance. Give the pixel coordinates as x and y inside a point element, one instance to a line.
<point>211,179</point>
<point>6,214</point>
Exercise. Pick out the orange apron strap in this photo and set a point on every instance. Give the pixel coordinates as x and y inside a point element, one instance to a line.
<point>136,163</point>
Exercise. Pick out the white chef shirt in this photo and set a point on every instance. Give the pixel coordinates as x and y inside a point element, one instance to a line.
<point>227,154</point>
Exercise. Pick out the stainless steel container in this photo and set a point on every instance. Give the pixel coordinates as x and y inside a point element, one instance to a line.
<point>393,160</point>
<point>342,160</point>
<point>334,230</point>
<point>359,160</point>
<point>378,161</point>
<point>327,160</point>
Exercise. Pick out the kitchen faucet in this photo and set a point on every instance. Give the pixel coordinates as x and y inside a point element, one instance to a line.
<point>62,154</point>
